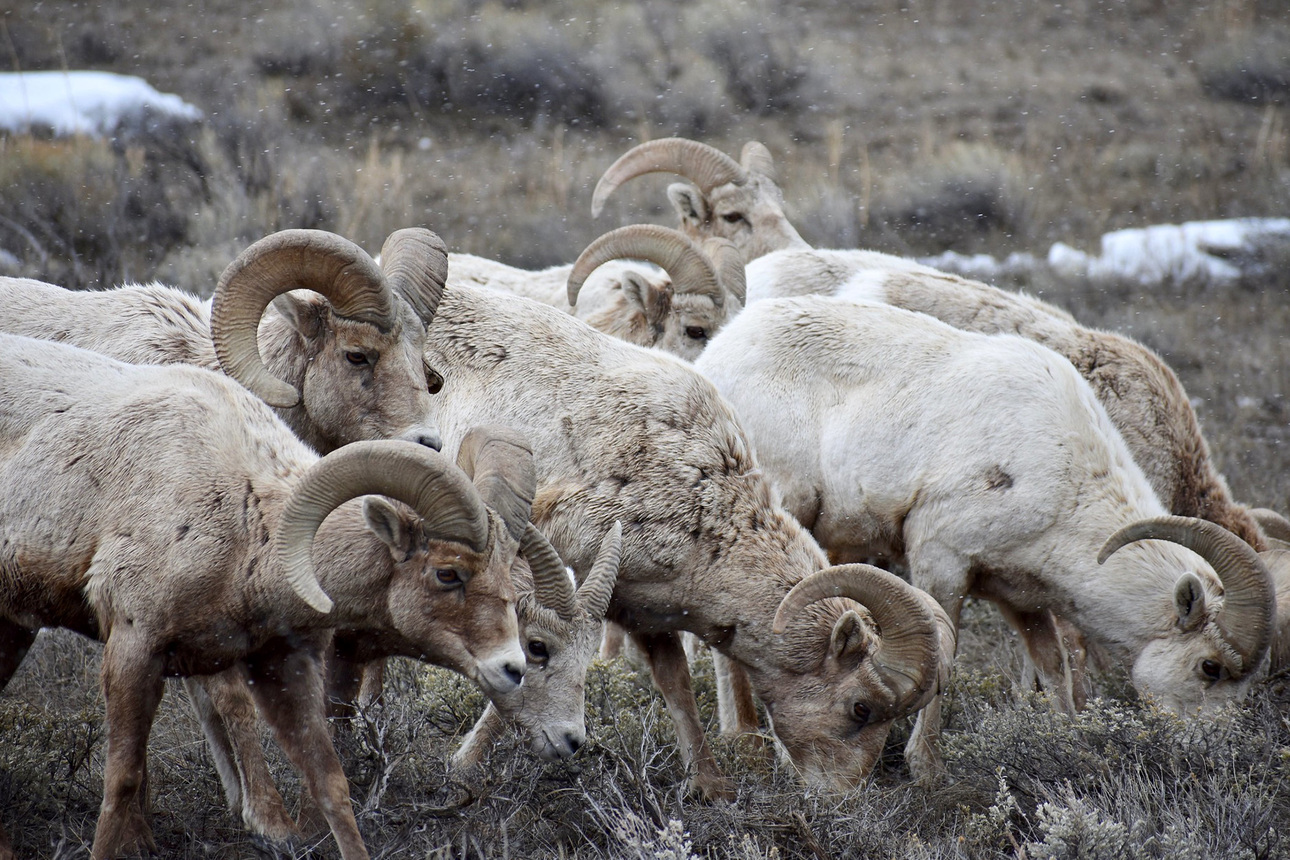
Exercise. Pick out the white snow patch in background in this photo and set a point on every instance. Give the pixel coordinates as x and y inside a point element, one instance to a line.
<point>1213,251</point>
<point>91,103</point>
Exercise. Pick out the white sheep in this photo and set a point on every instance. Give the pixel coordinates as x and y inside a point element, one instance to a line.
<point>736,200</point>
<point>1140,393</point>
<point>635,435</point>
<point>675,305</point>
<point>341,362</point>
<point>988,464</point>
<point>169,513</point>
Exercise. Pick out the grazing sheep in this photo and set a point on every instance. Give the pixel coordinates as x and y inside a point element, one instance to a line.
<point>340,363</point>
<point>634,435</point>
<point>675,307</point>
<point>169,513</point>
<point>731,200</point>
<point>1140,393</point>
<point>988,464</point>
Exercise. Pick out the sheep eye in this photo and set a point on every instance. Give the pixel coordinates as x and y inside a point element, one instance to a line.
<point>732,217</point>
<point>447,576</point>
<point>434,382</point>
<point>356,358</point>
<point>537,649</point>
<point>861,712</point>
<point>695,332</point>
<point>1212,669</point>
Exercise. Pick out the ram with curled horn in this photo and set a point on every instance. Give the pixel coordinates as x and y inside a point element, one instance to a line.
<point>987,465</point>
<point>675,304</point>
<point>736,200</point>
<point>339,353</point>
<point>205,516</point>
<point>626,434</point>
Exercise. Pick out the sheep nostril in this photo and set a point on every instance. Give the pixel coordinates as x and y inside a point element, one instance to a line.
<point>513,672</point>
<point>575,743</point>
<point>430,440</point>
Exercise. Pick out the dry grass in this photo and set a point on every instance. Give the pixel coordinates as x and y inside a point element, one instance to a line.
<point>912,126</point>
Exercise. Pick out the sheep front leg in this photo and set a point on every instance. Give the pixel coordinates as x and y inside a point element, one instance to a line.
<point>671,674</point>
<point>15,642</point>
<point>226,711</point>
<point>1048,660</point>
<point>488,728</point>
<point>288,688</point>
<point>923,750</point>
<point>132,688</point>
<point>736,708</point>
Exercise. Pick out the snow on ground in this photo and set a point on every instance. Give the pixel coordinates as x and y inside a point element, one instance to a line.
<point>1213,251</point>
<point>91,103</point>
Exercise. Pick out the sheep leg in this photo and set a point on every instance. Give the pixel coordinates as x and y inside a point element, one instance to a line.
<point>671,675</point>
<point>15,642</point>
<point>736,709</point>
<point>132,689</point>
<point>288,689</point>
<point>923,750</point>
<point>1048,665</point>
<point>611,644</point>
<point>226,711</point>
<point>480,740</point>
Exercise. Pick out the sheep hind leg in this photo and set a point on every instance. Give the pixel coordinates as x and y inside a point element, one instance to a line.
<point>671,675</point>
<point>226,711</point>
<point>132,689</point>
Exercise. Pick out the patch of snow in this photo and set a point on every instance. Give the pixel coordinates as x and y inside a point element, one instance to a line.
<point>91,103</point>
<point>982,267</point>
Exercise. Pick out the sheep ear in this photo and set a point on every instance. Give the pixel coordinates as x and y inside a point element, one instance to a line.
<point>1189,601</point>
<point>648,299</point>
<point>390,525</point>
<point>302,310</point>
<point>689,203</point>
<point>850,637</point>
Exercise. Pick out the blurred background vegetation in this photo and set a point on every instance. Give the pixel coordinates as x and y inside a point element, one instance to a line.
<point>911,126</point>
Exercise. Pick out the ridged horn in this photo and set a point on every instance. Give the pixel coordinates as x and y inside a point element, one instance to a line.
<point>756,158</point>
<point>1274,526</point>
<point>415,263</point>
<point>499,462</point>
<point>908,634</point>
<point>671,250</point>
<point>705,166</point>
<point>292,259</point>
<point>413,474</point>
<point>728,262</point>
<point>598,588</point>
<point>1249,602</point>
<point>551,584</point>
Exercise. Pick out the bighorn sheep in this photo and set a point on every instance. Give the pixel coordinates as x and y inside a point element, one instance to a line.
<point>1141,394</point>
<point>731,200</point>
<point>990,466</point>
<point>171,514</point>
<point>634,435</point>
<point>675,307</point>
<point>558,628</point>
<point>340,364</point>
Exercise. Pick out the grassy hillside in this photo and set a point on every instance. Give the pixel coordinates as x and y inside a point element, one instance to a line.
<point>914,127</point>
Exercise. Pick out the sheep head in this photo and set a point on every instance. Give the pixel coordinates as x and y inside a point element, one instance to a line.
<point>346,345</point>
<point>1219,640</point>
<point>449,597</point>
<point>727,199</point>
<point>870,650</point>
<point>698,292</point>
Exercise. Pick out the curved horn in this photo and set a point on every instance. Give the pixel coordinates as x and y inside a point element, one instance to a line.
<point>1249,603</point>
<point>671,250</point>
<point>908,633</point>
<point>729,264</point>
<point>500,463</point>
<point>598,588</point>
<point>551,585</point>
<point>410,473</point>
<point>415,263</point>
<point>292,259</point>
<point>703,165</point>
<point>1274,525</point>
<point>756,158</point>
